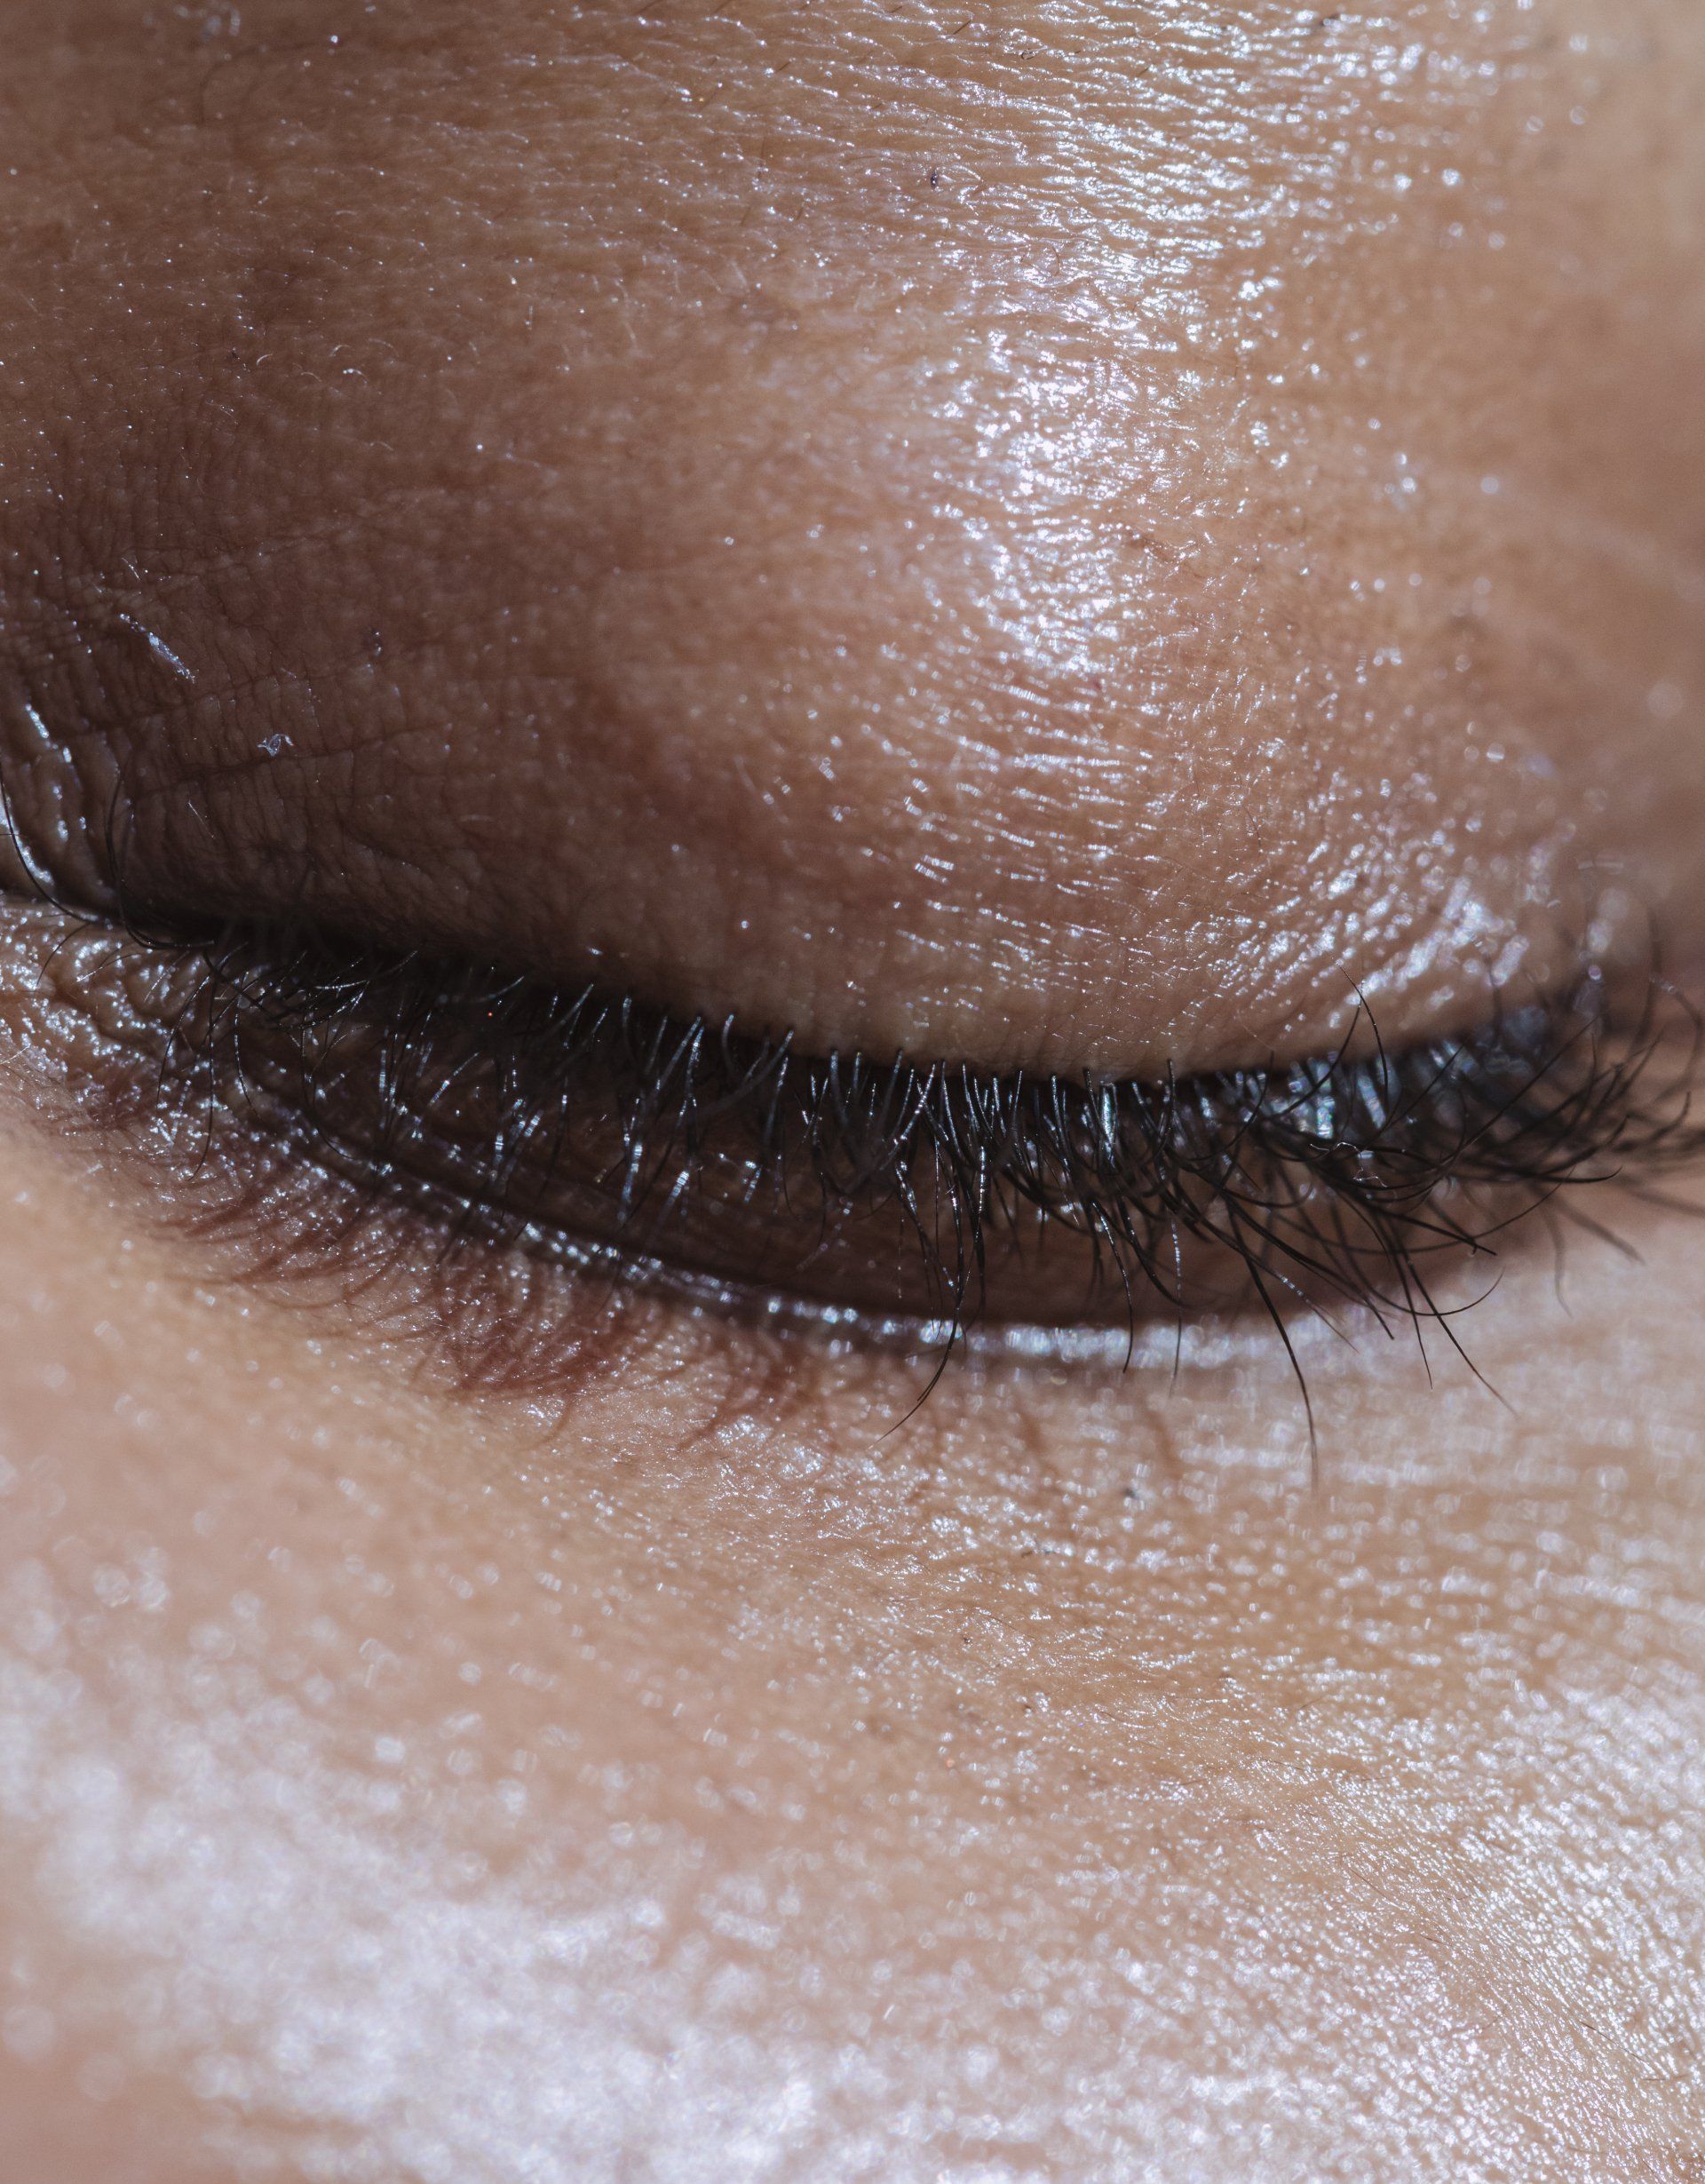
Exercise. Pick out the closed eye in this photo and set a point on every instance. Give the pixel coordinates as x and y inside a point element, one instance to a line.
<point>898,1202</point>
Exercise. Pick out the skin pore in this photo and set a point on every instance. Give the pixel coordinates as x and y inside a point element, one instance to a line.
<point>1081,535</point>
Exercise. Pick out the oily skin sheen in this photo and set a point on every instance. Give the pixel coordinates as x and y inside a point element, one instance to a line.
<point>786,505</point>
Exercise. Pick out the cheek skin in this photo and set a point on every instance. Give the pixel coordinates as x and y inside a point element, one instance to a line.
<point>1058,1783</point>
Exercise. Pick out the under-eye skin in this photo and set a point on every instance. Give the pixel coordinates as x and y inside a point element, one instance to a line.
<point>892,1204</point>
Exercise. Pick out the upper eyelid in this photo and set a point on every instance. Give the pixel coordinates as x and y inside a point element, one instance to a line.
<point>408,863</point>
<point>137,803</point>
<point>1124,143</point>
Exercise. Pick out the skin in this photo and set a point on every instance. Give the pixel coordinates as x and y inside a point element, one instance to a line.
<point>700,1777</point>
<point>707,1765</point>
<point>1086,607</point>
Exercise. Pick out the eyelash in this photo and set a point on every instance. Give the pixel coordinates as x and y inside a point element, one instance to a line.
<point>1314,1184</point>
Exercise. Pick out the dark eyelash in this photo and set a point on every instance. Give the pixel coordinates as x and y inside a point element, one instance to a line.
<point>1337,1181</point>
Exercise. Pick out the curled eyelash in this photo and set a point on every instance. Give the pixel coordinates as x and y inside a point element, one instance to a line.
<point>618,1135</point>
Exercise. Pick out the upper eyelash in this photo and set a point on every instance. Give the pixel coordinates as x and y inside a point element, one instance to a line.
<point>1334,1179</point>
